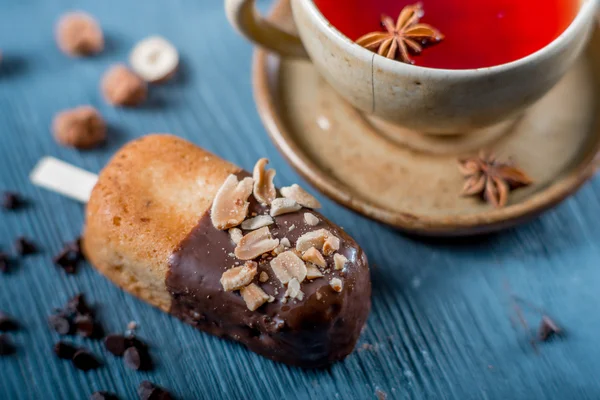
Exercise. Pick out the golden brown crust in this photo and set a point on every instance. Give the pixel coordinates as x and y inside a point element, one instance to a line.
<point>147,199</point>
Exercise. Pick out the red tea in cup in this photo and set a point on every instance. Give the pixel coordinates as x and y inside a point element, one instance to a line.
<point>478,33</point>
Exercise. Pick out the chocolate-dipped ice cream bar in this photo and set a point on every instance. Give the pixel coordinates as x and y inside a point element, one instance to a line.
<point>226,252</point>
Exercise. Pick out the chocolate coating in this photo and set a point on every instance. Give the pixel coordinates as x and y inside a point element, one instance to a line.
<point>313,332</point>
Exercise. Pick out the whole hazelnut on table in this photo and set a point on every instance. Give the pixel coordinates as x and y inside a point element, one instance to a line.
<point>78,34</point>
<point>81,127</point>
<point>122,87</point>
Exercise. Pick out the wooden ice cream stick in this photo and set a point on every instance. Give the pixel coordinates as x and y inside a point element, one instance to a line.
<point>64,178</point>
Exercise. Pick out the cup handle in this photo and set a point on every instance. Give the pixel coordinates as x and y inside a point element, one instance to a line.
<point>245,18</point>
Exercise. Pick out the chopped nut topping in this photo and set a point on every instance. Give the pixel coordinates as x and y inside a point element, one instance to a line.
<point>288,266</point>
<point>263,277</point>
<point>292,228</point>
<point>286,242</point>
<point>237,277</point>
<point>279,249</point>
<point>300,196</point>
<point>336,284</point>
<point>282,206</point>
<point>319,295</point>
<point>236,235</point>
<point>314,256</point>
<point>340,261</point>
<point>293,290</point>
<point>264,189</point>
<point>313,272</point>
<point>254,296</point>
<point>257,222</point>
<point>255,244</point>
<point>230,205</point>
<point>271,299</point>
<point>331,245</point>
<point>313,239</point>
<point>310,219</point>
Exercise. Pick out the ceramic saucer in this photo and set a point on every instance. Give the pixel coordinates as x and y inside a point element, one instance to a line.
<point>411,181</point>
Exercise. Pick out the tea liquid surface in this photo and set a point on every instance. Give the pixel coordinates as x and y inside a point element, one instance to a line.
<point>478,33</point>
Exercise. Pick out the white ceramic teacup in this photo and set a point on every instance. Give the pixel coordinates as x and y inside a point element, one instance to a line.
<point>434,101</point>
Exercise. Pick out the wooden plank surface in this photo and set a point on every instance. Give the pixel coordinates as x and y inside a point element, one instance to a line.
<point>441,320</point>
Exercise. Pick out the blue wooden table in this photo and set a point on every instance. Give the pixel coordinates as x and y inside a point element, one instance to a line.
<point>442,323</point>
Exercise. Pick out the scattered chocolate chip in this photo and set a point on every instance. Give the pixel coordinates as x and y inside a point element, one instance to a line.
<point>137,358</point>
<point>75,317</point>
<point>149,391</point>
<point>6,346</point>
<point>84,360</point>
<point>24,247</point>
<point>7,323</point>
<point>11,201</point>
<point>64,350</point>
<point>103,396</point>
<point>60,324</point>
<point>132,358</point>
<point>78,305</point>
<point>133,341</point>
<point>4,262</point>
<point>85,326</point>
<point>547,329</point>
<point>116,344</point>
<point>69,256</point>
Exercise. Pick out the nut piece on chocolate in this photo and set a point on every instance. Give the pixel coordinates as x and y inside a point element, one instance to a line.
<point>78,34</point>
<point>81,127</point>
<point>121,87</point>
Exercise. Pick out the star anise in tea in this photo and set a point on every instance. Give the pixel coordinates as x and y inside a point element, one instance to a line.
<point>491,179</point>
<point>407,36</point>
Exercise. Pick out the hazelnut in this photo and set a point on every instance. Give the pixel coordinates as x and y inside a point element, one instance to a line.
<point>121,87</point>
<point>154,59</point>
<point>78,34</point>
<point>81,127</point>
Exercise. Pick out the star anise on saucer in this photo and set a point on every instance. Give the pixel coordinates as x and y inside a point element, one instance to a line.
<point>403,38</point>
<point>490,178</point>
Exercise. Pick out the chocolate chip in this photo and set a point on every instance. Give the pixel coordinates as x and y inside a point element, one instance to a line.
<point>7,323</point>
<point>85,326</point>
<point>11,201</point>
<point>69,257</point>
<point>60,324</point>
<point>149,391</point>
<point>103,396</point>
<point>6,346</point>
<point>547,329</point>
<point>78,305</point>
<point>84,360</point>
<point>24,246</point>
<point>64,350</point>
<point>4,262</point>
<point>116,344</point>
<point>133,341</point>
<point>132,358</point>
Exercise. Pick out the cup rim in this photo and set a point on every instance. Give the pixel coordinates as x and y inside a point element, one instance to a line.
<point>589,6</point>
